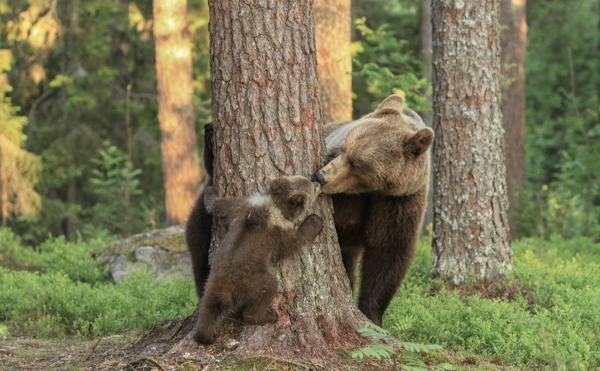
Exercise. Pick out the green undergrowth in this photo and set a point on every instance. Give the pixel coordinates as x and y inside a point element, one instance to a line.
<point>547,318</point>
<point>59,289</point>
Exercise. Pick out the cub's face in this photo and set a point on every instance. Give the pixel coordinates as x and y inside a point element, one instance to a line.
<point>376,157</point>
<point>292,195</point>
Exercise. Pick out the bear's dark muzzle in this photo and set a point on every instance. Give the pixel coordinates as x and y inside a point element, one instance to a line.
<point>318,177</point>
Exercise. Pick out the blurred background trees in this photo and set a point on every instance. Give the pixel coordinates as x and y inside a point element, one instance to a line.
<point>70,64</point>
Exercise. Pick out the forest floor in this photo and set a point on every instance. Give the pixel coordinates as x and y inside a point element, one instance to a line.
<point>153,351</point>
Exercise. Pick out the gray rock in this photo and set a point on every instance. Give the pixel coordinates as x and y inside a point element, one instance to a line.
<point>163,252</point>
<point>122,267</point>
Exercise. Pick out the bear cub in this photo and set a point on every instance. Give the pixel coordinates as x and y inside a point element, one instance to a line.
<point>260,230</point>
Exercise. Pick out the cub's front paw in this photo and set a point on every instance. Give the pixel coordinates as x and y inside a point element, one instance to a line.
<point>313,224</point>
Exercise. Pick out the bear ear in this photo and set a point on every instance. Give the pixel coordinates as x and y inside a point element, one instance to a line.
<point>279,185</point>
<point>394,102</point>
<point>296,200</point>
<point>419,142</point>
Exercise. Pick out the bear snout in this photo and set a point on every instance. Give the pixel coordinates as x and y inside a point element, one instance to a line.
<point>318,177</point>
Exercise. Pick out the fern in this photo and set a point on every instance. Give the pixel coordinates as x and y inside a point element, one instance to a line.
<point>411,359</point>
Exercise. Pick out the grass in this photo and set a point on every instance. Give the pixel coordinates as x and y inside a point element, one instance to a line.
<point>552,321</point>
<point>69,294</point>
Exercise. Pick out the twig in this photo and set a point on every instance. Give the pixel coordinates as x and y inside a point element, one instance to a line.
<point>92,351</point>
<point>322,360</point>
<point>311,362</point>
<point>269,365</point>
<point>146,359</point>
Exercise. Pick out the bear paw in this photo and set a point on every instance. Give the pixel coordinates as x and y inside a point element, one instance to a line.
<point>313,224</point>
<point>204,337</point>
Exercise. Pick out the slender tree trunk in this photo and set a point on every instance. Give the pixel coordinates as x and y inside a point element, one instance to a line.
<point>513,40</point>
<point>71,213</point>
<point>425,39</point>
<point>425,44</point>
<point>181,166</point>
<point>267,123</point>
<point>334,60</point>
<point>3,189</point>
<point>471,233</point>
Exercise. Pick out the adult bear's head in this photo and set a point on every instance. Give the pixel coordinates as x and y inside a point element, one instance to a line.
<point>386,151</point>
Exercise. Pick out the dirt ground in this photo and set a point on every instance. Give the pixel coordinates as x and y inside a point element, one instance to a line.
<point>154,350</point>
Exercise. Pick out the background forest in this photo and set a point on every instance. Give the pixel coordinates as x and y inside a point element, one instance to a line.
<point>67,66</point>
<point>81,165</point>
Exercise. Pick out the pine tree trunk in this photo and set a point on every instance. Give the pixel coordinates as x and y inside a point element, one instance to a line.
<point>425,46</point>
<point>471,233</point>
<point>267,123</point>
<point>3,189</point>
<point>513,40</point>
<point>334,60</point>
<point>181,167</point>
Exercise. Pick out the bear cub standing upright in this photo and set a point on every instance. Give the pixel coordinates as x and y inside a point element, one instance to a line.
<point>260,230</point>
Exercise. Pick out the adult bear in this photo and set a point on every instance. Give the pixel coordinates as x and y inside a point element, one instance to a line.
<point>378,175</point>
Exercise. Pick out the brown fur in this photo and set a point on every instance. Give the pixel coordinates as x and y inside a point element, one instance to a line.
<point>260,230</point>
<point>378,174</point>
<point>198,228</point>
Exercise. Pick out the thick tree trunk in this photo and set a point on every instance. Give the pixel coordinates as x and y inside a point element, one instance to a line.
<point>334,60</point>
<point>181,167</point>
<point>471,233</point>
<point>267,123</point>
<point>514,34</point>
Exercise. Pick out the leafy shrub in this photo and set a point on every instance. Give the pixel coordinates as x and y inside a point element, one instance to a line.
<point>555,210</point>
<point>53,305</point>
<point>72,259</point>
<point>384,64</point>
<point>12,254</point>
<point>56,255</point>
<point>554,318</point>
<point>68,296</point>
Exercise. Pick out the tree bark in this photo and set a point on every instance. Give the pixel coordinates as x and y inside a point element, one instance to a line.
<point>334,60</point>
<point>513,40</point>
<point>425,45</point>
<point>267,123</point>
<point>71,209</point>
<point>471,233</point>
<point>181,166</point>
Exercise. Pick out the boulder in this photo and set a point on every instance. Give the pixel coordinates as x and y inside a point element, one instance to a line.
<point>161,251</point>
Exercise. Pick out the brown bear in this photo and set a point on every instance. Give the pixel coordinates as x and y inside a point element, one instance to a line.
<point>260,229</point>
<point>378,176</point>
<point>379,198</point>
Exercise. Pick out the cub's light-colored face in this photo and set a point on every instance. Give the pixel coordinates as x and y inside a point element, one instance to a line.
<point>293,195</point>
